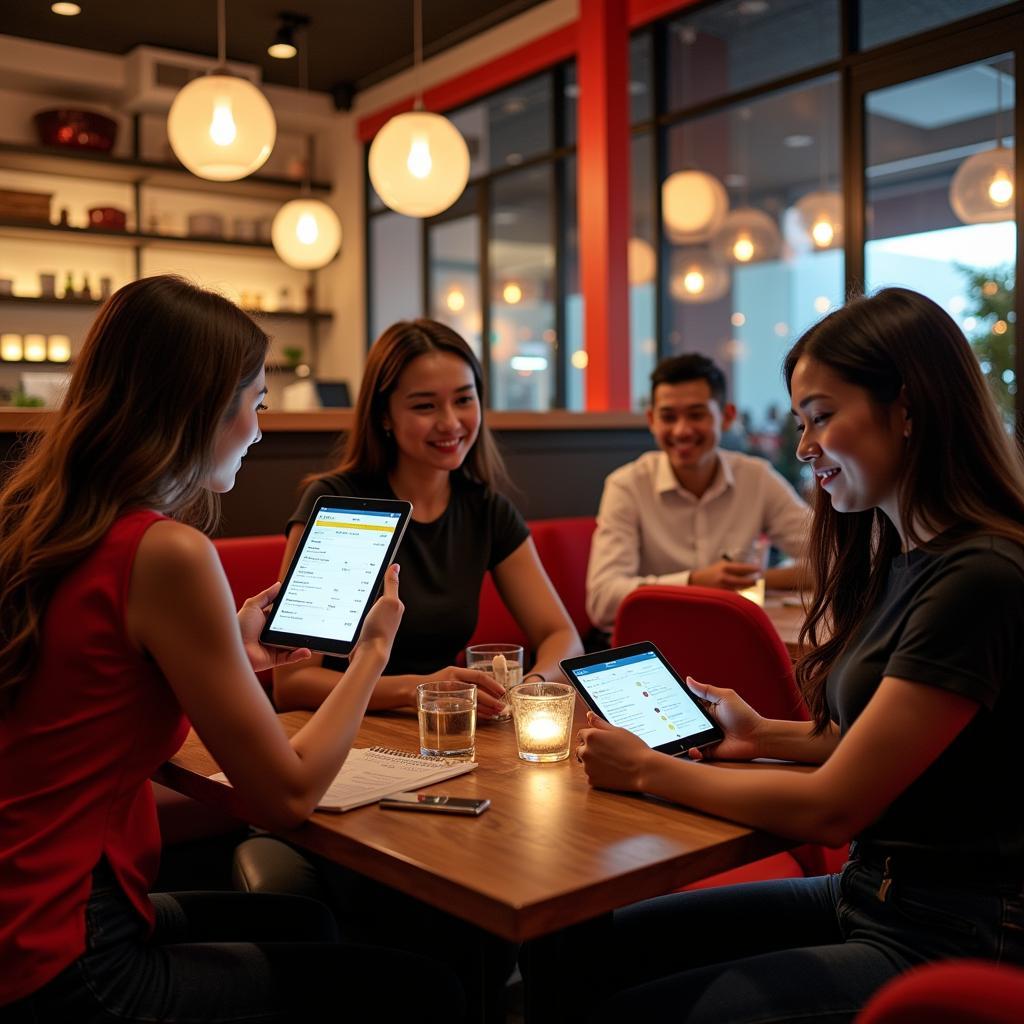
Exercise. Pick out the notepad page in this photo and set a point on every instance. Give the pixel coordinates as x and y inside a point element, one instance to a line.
<point>369,774</point>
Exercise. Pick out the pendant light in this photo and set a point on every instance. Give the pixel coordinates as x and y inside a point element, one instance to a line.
<point>983,187</point>
<point>306,232</point>
<point>419,162</point>
<point>641,261</point>
<point>747,234</point>
<point>221,127</point>
<point>697,276</point>
<point>693,203</point>
<point>818,215</point>
<point>693,206</point>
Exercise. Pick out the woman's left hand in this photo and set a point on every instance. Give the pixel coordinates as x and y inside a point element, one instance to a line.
<point>613,758</point>
<point>252,617</point>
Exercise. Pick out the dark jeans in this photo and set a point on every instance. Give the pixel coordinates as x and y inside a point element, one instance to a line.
<point>232,957</point>
<point>801,949</point>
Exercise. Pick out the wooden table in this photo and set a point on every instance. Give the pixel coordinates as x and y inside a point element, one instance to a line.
<point>786,618</point>
<point>550,852</point>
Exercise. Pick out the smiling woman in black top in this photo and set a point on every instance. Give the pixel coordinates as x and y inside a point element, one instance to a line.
<point>913,679</point>
<point>419,434</point>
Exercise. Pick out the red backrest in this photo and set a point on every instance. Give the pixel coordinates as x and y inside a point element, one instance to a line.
<point>251,564</point>
<point>563,546</point>
<point>952,992</point>
<point>564,549</point>
<point>718,637</point>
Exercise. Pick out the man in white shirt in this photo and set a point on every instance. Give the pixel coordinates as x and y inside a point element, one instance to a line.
<point>690,513</point>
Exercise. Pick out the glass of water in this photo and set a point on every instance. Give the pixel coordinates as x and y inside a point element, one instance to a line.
<point>447,716</point>
<point>504,662</point>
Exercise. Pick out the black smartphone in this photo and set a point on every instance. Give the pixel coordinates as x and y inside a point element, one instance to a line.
<point>440,803</point>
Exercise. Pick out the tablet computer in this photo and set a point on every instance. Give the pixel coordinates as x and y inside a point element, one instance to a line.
<point>336,573</point>
<point>636,688</point>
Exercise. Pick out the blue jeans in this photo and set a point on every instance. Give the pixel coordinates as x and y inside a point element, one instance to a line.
<point>232,957</point>
<point>800,949</point>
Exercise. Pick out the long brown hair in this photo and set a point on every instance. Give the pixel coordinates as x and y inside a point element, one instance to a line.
<point>961,474</point>
<point>163,365</point>
<point>368,449</point>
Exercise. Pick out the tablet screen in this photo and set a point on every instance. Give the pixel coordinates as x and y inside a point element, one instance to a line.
<point>336,572</point>
<point>639,692</point>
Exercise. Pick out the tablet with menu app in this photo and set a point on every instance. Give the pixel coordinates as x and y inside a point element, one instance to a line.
<point>336,573</point>
<point>636,688</point>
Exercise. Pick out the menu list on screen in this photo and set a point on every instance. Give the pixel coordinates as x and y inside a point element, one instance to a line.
<point>639,694</point>
<point>335,572</point>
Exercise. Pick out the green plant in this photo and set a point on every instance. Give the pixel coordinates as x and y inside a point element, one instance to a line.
<point>292,355</point>
<point>990,297</point>
<point>24,401</point>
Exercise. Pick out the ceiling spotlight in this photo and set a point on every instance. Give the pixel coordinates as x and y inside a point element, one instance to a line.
<point>68,10</point>
<point>283,47</point>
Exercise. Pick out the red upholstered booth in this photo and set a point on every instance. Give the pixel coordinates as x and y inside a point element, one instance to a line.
<point>950,992</point>
<point>721,638</point>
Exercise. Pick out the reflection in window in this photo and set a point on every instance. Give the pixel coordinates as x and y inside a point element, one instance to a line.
<point>882,21</point>
<point>924,141</point>
<point>522,299</point>
<point>734,45</point>
<point>454,254</point>
<point>643,270</point>
<point>396,270</point>
<point>742,287</point>
<point>507,127</point>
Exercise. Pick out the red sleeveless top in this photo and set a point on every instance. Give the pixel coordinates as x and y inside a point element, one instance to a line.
<point>76,753</point>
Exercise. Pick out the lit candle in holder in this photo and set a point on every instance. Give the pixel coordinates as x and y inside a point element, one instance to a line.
<point>11,349</point>
<point>543,718</point>
<point>58,348</point>
<point>35,348</point>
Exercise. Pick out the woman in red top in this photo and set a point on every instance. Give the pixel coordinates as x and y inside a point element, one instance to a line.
<point>117,629</point>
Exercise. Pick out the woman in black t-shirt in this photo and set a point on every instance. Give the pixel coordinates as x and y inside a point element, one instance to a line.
<point>418,434</point>
<point>913,680</point>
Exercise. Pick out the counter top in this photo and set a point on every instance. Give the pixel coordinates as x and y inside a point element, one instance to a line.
<point>335,420</point>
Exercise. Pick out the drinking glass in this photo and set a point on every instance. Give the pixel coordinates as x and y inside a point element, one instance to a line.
<point>504,662</point>
<point>447,716</point>
<point>756,554</point>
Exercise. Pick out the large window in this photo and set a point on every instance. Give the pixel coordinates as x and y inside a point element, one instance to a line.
<point>939,202</point>
<point>489,266</point>
<point>832,131</point>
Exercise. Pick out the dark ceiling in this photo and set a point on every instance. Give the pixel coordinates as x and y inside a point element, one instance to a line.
<point>352,43</point>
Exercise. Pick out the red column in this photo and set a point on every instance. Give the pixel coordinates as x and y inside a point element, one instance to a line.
<point>603,189</point>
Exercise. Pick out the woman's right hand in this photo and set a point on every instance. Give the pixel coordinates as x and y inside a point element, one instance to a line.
<point>740,723</point>
<point>383,620</point>
<point>490,694</point>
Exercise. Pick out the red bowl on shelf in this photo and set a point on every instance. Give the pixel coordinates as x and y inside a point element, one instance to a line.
<point>76,129</point>
<point>108,217</point>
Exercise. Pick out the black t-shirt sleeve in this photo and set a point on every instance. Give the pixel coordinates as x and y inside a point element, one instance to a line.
<point>962,633</point>
<point>317,489</point>
<point>508,528</point>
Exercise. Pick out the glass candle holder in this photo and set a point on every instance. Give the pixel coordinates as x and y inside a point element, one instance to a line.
<point>543,717</point>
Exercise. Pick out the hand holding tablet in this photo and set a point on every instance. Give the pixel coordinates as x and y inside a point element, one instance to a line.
<point>635,688</point>
<point>336,573</point>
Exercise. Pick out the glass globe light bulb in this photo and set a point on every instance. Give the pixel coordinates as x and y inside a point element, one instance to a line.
<point>1000,189</point>
<point>822,233</point>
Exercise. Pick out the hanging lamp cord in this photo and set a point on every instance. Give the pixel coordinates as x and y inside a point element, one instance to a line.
<point>417,52</point>
<point>222,45</point>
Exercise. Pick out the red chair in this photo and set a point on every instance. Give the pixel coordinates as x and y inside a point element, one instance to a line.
<point>950,992</point>
<point>563,546</point>
<point>718,637</point>
<point>251,564</point>
<point>564,549</point>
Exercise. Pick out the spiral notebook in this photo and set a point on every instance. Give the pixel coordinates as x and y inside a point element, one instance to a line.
<point>370,773</point>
